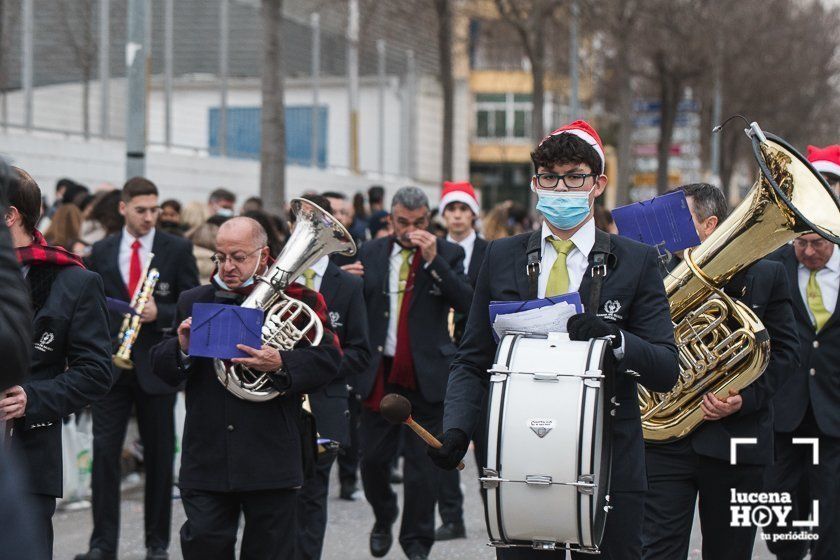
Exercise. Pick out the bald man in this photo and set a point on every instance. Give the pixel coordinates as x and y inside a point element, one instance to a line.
<point>241,456</point>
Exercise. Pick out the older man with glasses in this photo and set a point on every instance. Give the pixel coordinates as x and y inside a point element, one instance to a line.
<point>806,405</point>
<point>412,279</point>
<point>242,457</point>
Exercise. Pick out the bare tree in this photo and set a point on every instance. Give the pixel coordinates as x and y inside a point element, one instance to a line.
<point>77,18</point>
<point>447,83</point>
<point>273,139</point>
<point>530,19</point>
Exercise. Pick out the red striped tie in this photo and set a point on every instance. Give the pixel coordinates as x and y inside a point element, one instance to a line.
<point>134,268</point>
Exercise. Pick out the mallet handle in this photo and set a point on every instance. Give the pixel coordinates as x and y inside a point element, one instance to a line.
<point>431,440</point>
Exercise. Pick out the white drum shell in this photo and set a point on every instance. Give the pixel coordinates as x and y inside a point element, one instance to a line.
<point>550,487</point>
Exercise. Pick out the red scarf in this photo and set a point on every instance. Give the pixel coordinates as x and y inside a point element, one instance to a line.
<point>41,254</point>
<point>402,367</point>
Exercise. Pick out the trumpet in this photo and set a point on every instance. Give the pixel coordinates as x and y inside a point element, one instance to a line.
<point>131,321</point>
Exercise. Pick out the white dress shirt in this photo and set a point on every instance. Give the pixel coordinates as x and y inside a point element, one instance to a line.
<point>394,264</point>
<point>320,268</point>
<point>828,279</point>
<point>125,251</point>
<point>577,261</point>
<point>467,244</point>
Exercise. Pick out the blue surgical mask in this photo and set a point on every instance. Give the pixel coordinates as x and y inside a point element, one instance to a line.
<point>564,210</point>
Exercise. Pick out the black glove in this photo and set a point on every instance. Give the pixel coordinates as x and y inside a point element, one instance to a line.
<point>585,326</point>
<point>455,444</point>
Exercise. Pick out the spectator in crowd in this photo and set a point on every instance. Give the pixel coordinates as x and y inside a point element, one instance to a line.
<point>74,194</point>
<point>221,203</point>
<point>380,224</point>
<point>376,199</point>
<point>604,220</point>
<point>105,218</point>
<point>65,226</point>
<point>251,204</point>
<point>504,220</point>
<point>60,188</point>
<point>275,243</point>
<point>343,211</point>
<point>79,247</point>
<point>359,227</point>
<point>193,216</point>
<point>169,219</point>
<point>203,238</point>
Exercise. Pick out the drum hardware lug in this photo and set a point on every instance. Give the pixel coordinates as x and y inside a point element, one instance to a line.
<point>545,377</point>
<point>491,479</point>
<point>607,509</point>
<point>586,484</point>
<point>593,383</point>
<point>498,369</point>
<point>544,545</point>
<point>538,479</point>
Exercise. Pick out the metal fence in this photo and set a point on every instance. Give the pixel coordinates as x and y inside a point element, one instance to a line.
<point>63,69</point>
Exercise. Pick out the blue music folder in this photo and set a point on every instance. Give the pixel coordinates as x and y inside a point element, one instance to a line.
<point>663,222</point>
<point>506,307</point>
<point>218,328</point>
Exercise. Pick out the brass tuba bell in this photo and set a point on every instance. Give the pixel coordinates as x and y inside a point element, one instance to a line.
<point>287,320</point>
<point>722,345</point>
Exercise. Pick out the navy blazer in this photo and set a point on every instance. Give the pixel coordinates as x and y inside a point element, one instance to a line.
<point>638,305</point>
<point>437,287</point>
<point>817,380</point>
<point>70,367</point>
<point>234,445</point>
<point>178,273</point>
<point>15,316</point>
<point>479,248</point>
<point>345,301</point>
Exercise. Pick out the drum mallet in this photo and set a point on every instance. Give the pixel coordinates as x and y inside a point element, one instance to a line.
<point>396,409</point>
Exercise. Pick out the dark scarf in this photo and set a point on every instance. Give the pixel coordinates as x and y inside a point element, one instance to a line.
<point>39,253</point>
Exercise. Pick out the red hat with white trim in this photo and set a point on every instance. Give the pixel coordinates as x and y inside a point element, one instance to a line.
<point>585,132</point>
<point>825,160</point>
<point>458,192</point>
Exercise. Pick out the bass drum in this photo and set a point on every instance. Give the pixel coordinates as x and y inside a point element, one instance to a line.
<point>548,445</point>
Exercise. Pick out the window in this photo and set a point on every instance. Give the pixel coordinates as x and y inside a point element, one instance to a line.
<point>503,115</point>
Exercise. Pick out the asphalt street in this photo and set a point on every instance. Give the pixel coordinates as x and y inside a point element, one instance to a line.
<point>347,530</point>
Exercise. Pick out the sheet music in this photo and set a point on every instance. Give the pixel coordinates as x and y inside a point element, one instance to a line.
<point>551,318</point>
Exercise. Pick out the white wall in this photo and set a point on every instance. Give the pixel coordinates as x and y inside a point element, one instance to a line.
<point>183,176</point>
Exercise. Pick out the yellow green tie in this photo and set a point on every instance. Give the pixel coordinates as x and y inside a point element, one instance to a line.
<point>405,268</point>
<point>558,278</point>
<point>815,301</point>
<point>309,275</point>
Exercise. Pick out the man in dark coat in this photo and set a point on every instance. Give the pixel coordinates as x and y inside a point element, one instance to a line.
<point>70,354</point>
<point>120,259</point>
<point>242,456</point>
<point>412,280</point>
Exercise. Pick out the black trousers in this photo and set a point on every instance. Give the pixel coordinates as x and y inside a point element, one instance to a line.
<point>42,511</point>
<point>348,459</point>
<point>380,442</point>
<point>676,476</point>
<point>450,496</point>
<point>794,472</point>
<point>156,421</point>
<point>312,510</point>
<point>209,533</point>
<point>622,535</point>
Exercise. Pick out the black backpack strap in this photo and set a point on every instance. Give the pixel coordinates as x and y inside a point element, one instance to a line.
<point>601,259</point>
<point>532,269</point>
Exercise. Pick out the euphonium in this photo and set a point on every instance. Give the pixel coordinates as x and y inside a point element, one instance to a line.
<point>131,322</point>
<point>287,320</point>
<point>722,344</point>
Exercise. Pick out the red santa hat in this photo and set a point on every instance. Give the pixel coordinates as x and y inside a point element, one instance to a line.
<point>458,192</point>
<point>825,160</point>
<point>585,132</point>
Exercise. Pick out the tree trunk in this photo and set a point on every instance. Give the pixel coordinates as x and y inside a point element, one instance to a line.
<point>86,103</point>
<point>447,84</point>
<point>625,126</point>
<point>538,86</point>
<point>273,134</point>
<point>669,93</point>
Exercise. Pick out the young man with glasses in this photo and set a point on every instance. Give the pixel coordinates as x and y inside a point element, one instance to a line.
<point>807,404</point>
<point>698,465</point>
<point>411,281</point>
<point>120,260</point>
<point>242,457</point>
<point>632,309</point>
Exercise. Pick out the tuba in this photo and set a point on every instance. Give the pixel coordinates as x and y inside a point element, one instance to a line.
<point>287,320</point>
<point>721,343</point>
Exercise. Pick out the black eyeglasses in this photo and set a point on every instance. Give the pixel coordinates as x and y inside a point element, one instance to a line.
<point>220,259</point>
<point>550,181</point>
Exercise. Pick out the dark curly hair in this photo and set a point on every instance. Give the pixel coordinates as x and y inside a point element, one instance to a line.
<point>564,149</point>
